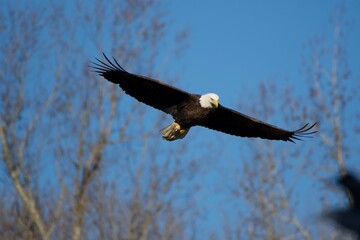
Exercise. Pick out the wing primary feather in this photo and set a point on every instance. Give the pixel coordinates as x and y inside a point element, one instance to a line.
<point>114,67</point>
<point>303,132</point>
<point>119,65</point>
<point>305,129</point>
<point>99,67</point>
<point>106,64</point>
<point>300,129</point>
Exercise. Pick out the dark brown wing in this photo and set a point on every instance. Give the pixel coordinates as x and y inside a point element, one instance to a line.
<point>149,91</point>
<point>231,122</point>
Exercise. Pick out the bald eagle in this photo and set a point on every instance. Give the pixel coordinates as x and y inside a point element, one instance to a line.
<point>190,110</point>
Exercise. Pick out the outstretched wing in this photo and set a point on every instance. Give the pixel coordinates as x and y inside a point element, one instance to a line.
<point>146,90</point>
<point>231,122</point>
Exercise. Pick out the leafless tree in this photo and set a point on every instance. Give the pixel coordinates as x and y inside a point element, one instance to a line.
<point>333,98</point>
<point>63,130</point>
<point>271,174</point>
<point>332,90</point>
<point>266,192</point>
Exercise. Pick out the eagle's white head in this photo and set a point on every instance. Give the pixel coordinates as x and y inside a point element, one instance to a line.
<point>209,100</point>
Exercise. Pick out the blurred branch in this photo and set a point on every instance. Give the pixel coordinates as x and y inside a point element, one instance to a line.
<point>26,197</point>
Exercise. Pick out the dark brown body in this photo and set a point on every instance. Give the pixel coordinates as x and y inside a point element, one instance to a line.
<point>189,113</point>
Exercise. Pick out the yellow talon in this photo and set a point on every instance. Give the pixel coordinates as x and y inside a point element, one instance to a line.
<point>173,132</point>
<point>177,128</point>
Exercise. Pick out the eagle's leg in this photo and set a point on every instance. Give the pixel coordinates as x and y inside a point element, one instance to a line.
<point>173,132</point>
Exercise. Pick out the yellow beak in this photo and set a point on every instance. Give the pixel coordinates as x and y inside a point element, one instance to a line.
<point>214,104</point>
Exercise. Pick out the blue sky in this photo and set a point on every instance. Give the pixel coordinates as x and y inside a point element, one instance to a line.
<point>234,45</point>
